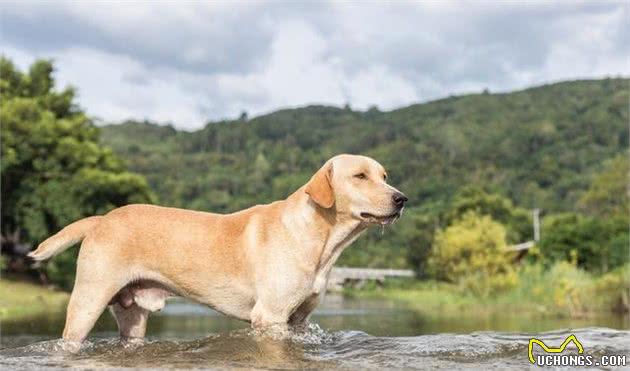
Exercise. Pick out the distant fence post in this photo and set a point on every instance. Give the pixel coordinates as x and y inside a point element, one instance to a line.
<point>536,216</point>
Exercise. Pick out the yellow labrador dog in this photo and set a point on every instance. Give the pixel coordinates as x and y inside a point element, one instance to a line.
<point>267,264</point>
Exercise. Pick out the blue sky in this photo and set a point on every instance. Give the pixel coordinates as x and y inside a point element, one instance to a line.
<point>189,62</point>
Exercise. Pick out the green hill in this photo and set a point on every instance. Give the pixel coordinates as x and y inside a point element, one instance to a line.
<point>539,147</point>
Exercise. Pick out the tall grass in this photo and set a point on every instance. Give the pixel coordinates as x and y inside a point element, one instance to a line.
<point>563,290</point>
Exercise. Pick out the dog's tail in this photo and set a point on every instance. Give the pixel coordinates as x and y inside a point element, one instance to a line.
<point>67,237</point>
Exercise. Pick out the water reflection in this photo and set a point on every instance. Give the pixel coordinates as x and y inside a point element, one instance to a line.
<point>315,349</point>
<point>183,320</point>
<point>359,334</point>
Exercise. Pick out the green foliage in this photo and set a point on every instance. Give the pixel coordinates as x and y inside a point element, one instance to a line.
<point>542,147</point>
<point>565,290</point>
<point>24,300</point>
<point>472,252</point>
<point>570,288</point>
<point>533,148</point>
<point>599,244</point>
<point>54,171</point>
<point>562,289</point>
<point>409,240</point>
<point>517,221</point>
<point>61,270</point>
<point>608,193</point>
<point>601,238</point>
<point>614,289</point>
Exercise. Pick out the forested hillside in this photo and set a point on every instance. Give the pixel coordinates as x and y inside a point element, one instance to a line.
<point>539,147</point>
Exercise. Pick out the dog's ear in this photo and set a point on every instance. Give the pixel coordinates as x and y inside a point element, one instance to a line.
<point>320,187</point>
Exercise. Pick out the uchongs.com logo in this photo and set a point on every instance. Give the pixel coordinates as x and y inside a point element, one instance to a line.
<point>556,357</point>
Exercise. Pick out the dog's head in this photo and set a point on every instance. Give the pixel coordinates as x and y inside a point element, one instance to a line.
<point>356,186</point>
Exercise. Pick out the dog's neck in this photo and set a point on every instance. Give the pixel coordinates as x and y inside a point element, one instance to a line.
<point>340,237</point>
<point>336,231</point>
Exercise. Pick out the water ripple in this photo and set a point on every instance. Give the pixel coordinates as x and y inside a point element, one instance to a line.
<point>313,348</point>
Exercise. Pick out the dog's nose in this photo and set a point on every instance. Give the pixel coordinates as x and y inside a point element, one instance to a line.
<point>399,199</point>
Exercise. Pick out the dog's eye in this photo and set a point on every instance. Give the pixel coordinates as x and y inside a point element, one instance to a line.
<point>384,176</point>
<point>360,176</point>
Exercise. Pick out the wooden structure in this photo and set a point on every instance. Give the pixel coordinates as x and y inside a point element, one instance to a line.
<point>343,276</point>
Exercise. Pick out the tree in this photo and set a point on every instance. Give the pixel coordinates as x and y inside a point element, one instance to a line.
<point>416,232</point>
<point>600,238</point>
<point>472,253</point>
<point>535,148</point>
<point>517,220</point>
<point>608,193</point>
<point>53,169</point>
<point>598,244</point>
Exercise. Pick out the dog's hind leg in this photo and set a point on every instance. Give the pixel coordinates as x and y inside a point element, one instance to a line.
<point>88,300</point>
<point>132,321</point>
<point>98,279</point>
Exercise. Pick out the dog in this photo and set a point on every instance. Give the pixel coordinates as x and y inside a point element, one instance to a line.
<point>268,264</point>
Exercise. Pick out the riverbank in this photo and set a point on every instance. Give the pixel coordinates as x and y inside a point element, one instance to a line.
<point>23,299</point>
<point>563,291</point>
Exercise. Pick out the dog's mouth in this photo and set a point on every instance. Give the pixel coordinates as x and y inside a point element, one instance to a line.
<point>382,220</point>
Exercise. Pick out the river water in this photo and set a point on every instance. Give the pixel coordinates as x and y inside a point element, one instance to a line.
<point>347,334</point>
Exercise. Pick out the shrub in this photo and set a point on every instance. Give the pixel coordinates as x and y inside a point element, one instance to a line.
<point>517,221</point>
<point>61,270</point>
<point>614,288</point>
<point>570,288</point>
<point>562,290</point>
<point>472,253</point>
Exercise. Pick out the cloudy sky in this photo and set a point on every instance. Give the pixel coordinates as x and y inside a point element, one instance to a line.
<point>187,63</point>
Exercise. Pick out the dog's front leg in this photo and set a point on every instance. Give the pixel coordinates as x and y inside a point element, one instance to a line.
<point>299,319</point>
<point>270,318</point>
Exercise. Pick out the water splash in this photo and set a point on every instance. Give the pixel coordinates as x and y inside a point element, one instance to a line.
<point>309,348</point>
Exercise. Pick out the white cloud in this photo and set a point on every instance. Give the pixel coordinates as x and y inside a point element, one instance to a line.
<point>211,60</point>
